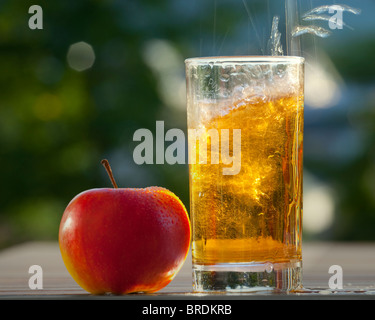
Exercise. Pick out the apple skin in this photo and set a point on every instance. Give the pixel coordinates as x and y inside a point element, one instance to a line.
<point>124,240</point>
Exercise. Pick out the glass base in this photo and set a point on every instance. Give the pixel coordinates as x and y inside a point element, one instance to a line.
<point>248,277</point>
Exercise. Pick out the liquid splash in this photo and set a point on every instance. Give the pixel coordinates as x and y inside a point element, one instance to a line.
<point>317,14</point>
<point>274,44</point>
<point>322,17</point>
<point>325,8</point>
<point>315,30</point>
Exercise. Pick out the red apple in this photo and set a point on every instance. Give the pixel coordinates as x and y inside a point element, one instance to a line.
<point>124,240</point>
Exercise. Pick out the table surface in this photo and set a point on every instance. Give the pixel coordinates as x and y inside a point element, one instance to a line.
<point>357,261</point>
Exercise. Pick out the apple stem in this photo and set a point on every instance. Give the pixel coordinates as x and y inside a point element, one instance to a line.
<point>106,165</point>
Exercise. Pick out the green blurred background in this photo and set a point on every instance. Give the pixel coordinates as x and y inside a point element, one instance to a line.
<point>75,92</point>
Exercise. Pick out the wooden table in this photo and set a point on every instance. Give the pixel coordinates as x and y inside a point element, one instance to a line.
<point>356,259</point>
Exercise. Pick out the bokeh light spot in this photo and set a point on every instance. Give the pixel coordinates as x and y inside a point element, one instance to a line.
<point>81,56</point>
<point>47,107</point>
<point>318,205</point>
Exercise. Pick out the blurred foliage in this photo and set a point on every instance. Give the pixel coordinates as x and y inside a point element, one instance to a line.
<point>56,124</point>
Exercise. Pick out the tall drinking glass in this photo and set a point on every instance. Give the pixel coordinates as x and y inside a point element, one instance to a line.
<point>245,127</point>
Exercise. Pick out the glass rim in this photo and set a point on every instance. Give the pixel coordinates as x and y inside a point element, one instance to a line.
<point>244,60</point>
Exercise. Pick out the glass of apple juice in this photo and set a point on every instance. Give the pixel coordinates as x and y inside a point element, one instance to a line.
<point>245,144</point>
